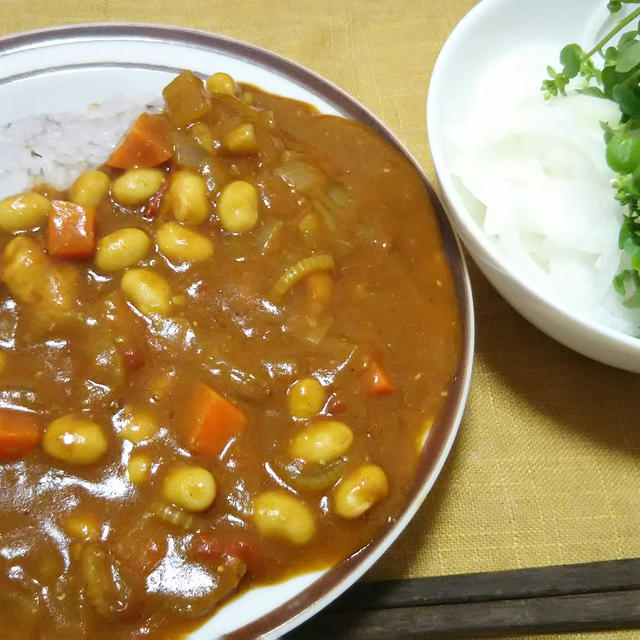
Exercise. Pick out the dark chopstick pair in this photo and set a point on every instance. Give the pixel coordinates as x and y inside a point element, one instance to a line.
<point>565,598</point>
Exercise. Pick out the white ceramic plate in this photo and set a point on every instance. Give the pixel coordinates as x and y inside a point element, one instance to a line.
<point>491,31</point>
<point>70,67</point>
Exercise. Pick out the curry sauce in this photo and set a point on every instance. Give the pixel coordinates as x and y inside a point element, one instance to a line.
<point>220,353</point>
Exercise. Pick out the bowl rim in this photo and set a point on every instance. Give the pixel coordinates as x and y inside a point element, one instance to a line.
<point>479,245</point>
<point>442,435</point>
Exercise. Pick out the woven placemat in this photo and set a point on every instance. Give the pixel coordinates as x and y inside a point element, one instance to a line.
<point>545,469</point>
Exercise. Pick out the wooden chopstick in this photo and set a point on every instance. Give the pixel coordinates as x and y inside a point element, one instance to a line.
<point>580,597</point>
<point>572,579</point>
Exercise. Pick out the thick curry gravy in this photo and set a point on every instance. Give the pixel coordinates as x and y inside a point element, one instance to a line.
<point>111,548</point>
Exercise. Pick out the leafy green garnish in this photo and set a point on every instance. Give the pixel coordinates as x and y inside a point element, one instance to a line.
<point>617,78</point>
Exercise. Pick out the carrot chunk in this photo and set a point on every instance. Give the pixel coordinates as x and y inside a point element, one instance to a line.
<point>19,433</point>
<point>147,144</point>
<point>379,381</point>
<point>209,421</point>
<point>71,231</point>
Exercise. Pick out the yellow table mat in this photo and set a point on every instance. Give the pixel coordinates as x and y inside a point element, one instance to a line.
<point>545,469</point>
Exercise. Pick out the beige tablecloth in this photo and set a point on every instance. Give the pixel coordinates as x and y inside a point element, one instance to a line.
<point>545,469</point>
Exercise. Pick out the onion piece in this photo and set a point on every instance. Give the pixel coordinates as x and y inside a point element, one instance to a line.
<point>188,152</point>
<point>267,236</point>
<point>300,176</point>
<point>533,175</point>
<point>315,479</point>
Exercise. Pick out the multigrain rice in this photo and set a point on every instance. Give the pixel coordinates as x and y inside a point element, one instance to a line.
<point>55,148</point>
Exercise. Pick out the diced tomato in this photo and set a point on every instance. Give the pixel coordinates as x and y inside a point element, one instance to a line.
<point>153,552</point>
<point>153,206</point>
<point>116,316</point>
<point>210,547</point>
<point>336,407</point>
<point>133,358</point>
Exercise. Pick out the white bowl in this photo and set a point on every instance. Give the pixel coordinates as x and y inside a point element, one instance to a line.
<point>491,30</point>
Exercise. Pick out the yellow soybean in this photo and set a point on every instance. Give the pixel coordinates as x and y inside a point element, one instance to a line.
<point>202,134</point>
<point>360,490</point>
<point>139,468</point>
<point>322,442</point>
<point>74,440</point>
<point>89,188</point>
<point>134,187</point>
<point>122,249</point>
<point>82,526</point>
<point>190,487</point>
<point>180,244</point>
<point>136,425</point>
<point>238,206</point>
<point>279,515</point>
<point>187,197</point>
<point>241,139</point>
<point>149,292</point>
<point>24,211</point>
<point>306,397</point>
<point>221,83</point>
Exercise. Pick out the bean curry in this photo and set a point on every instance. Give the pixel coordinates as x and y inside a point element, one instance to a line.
<point>221,352</point>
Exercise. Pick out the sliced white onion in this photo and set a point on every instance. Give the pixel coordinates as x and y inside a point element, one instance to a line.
<point>542,188</point>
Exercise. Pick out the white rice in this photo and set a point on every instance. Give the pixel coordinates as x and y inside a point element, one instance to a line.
<point>541,186</point>
<point>56,148</point>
